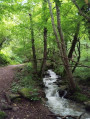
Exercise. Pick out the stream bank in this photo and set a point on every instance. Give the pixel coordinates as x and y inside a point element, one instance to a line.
<point>60,105</point>
<point>21,108</point>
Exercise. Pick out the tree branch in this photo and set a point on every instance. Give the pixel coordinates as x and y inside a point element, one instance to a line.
<point>80,11</point>
<point>64,117</point>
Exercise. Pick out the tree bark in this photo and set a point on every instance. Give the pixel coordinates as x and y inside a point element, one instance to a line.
<point>78,58</point>
<point>45,52</point>
<point>33,46</point>
<point>74,42</point>
<point>43,65</point>
<point>61,46</point>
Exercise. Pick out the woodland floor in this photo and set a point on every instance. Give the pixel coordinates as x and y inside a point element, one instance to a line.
<point>23,109</point>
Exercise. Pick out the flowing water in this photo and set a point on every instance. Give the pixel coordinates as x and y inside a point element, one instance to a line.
<point>60,105</point>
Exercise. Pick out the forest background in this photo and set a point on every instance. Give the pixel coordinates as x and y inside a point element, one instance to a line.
<point>30,32</point>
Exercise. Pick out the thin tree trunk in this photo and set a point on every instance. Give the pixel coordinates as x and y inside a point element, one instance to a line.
<point>61,46</point>
<point>33,46</point>
<point>74,42</point>
<point>45,18</point>
<point>78,58</point>
<point>45,52</point>
<point>66,61</point>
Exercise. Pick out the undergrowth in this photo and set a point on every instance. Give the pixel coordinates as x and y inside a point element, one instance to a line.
<point>3,59</point>
<point>25,79</point>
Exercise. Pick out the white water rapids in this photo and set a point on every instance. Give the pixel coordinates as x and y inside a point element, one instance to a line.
<point>60,105</point>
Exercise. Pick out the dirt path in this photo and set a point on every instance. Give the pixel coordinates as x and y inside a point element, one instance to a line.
<point>6,77</point>
<point>23,109</point>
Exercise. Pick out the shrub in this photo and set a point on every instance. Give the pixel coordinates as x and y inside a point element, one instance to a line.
<point>3,59</point>
<point>3,115</point>
<point>79,97</point>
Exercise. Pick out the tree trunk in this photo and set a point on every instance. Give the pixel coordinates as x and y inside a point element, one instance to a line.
<point>33,46</point>
<point>78,58</point>
<point>44,37</point>
<point>61,46</point>
<point>45,52</point>
<point>74,42</point>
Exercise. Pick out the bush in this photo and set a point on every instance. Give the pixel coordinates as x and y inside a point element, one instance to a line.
<point>25,84</point>
<point>3,115</point>
<point>79,97</point>
<point>3,59</point>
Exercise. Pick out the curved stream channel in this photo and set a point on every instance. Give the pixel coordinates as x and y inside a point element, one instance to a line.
<point>60,105</point>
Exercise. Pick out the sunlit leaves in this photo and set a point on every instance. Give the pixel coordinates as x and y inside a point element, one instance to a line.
<point>15,24</point>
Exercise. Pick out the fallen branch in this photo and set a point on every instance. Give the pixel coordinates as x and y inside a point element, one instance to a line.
<point>79,64</point>
<point>64,117</point>
<point>81,115</point>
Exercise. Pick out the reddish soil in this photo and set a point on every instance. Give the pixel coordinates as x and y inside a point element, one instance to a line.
<point>23,109</point>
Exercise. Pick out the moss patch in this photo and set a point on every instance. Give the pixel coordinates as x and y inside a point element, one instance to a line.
<point>3,115</point>
<point>31,94</point>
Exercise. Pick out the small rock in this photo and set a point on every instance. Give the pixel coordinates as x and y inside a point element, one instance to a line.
<point>59,77</point>
<point>15,108</point>
<point>14,96</point>
<point>63,90</point>
<point>28,93</point>
<point>87,106</point>
<point>63,87</point>
<point>61,93</point>
<point>3,101</point>
<point>6,107</point>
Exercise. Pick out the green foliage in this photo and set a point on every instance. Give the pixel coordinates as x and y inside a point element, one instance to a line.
<point>3,59</point>
<point>3,115</point>
<point>79,97</point>
<point>58,2</point>
<point>83,72</point>
<point>85,81</point>
<point>25,83</point>
<point>17,47</point>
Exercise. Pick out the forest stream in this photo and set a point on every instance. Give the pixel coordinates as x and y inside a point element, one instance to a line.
<point>60,105</point>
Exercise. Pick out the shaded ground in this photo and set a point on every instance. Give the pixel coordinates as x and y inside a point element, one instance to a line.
<point>23,109</point>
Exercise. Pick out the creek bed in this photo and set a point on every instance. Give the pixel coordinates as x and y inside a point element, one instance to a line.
<point>60,105</point>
